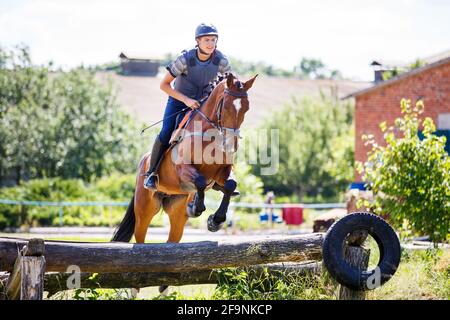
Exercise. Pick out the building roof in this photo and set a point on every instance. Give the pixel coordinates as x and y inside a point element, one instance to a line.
<point>437,57</point>
<point>139,56</point>
<point>433,62</point>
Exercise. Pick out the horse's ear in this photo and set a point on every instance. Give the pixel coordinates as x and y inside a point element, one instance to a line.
<point>249,83</point>
<point>230,80</point>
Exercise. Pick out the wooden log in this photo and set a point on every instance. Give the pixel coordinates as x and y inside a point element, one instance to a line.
<point>55,282</point>
<point>169,257</point>
<point>26,280</point>
<point>34,248</point>
<point>358,257</point>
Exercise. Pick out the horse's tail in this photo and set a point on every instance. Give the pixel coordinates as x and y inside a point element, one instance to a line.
<point>125,230</point>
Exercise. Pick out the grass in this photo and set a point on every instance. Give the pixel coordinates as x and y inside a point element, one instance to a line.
<point>421,275</point>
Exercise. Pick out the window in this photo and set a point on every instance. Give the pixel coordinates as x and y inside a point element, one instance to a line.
<point>444,121</point>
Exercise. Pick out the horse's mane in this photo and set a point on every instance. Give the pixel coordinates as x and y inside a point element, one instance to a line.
<point>217,83</point>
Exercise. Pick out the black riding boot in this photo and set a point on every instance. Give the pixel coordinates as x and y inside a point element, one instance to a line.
<point>158,149</point>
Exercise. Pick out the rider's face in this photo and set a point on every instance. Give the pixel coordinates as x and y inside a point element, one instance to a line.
<point>207,43</point>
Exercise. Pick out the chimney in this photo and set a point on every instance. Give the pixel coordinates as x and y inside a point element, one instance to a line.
<point>378,71</point>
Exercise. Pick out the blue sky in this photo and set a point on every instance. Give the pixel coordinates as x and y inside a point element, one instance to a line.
<point>346,34</point>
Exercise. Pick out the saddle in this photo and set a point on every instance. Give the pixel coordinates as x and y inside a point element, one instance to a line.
<point>180,123</point>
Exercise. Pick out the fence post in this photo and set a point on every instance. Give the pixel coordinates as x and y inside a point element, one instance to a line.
<point>26,281</point>
<point>356,256</point>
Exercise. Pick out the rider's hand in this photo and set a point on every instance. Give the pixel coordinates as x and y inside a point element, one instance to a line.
<point>191,103</point>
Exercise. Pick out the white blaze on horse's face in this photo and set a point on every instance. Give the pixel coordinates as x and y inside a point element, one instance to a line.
<point>237,105</point>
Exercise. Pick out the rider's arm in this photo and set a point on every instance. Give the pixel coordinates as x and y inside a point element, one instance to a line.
<point>177,68</point>
<point>167,88</point>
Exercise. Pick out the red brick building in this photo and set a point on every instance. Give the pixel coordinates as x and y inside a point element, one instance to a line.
<point>381,102</point>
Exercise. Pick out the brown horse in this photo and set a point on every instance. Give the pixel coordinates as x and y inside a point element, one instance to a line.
<point>192,166</point>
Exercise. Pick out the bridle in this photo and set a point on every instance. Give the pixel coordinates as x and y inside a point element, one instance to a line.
<point>235,132</point>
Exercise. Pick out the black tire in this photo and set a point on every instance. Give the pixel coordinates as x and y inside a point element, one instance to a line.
<point>333,250</point>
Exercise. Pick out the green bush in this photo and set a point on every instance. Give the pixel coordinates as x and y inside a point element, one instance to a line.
<point>113,188</point>
<point>11,216</point>
<point>116,186</point>
<point>410,177</point>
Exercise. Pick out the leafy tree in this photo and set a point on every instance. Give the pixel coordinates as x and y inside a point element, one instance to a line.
<point>389,74</point>
<point>396,71</point>
<point>409,176</point>
<point>244,68</point>
<point>311,67</point>
<point>60,123</point>
<point>315,148</point>
<point>336,75</point>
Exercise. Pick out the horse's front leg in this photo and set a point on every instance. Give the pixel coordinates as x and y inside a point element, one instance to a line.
<point>216,220</point>
<point>193,181</point>
<point>196,207</point>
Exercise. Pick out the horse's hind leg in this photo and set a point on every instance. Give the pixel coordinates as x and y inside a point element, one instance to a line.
<point>175,207</point>
<point>146,207</point>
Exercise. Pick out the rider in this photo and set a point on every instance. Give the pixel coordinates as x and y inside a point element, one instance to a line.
<point>193,70</point>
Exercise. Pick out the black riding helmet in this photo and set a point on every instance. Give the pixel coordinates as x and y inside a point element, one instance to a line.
<point>205,29</point>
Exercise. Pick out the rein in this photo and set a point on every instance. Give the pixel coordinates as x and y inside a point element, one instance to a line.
<point>178,112</point>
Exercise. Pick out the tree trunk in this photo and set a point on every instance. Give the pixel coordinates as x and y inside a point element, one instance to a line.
<point>357,257</point>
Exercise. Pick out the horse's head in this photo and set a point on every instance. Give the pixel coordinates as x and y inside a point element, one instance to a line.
<point>232,109</point>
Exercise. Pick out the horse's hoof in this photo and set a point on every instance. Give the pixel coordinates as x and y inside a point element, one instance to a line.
<point>212,225</point>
